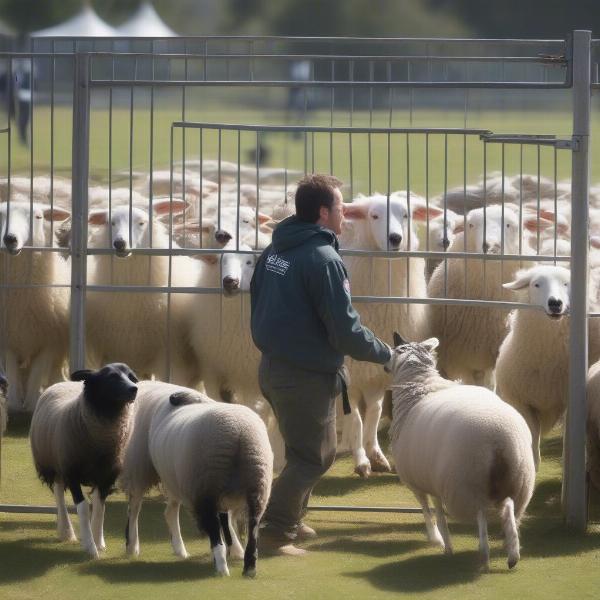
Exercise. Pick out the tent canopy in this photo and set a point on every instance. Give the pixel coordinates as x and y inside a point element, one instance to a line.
<point>145,23</point>
<point>85,24</point>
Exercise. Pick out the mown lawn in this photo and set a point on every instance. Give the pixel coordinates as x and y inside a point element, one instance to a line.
<point>357,555</point>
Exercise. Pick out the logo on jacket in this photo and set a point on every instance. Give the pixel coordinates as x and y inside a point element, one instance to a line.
<point>347,286</point>
<point>276,264</point>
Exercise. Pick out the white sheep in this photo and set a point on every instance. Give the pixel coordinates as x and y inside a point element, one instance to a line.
<point>593,424</point>
<point>532,371</point>
<point>470,336</point>
<point>460,444</point>
<point>138,332</point>
<point>366,228</point>
<point>210,456</point>
<point>439,233</point>
<point>78,432</point>
<point>34,319</point>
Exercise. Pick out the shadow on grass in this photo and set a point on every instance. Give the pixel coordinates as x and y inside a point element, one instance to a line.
<point>341,486</point>
<point>552,448</point>
<point>423,573</point>
<point>23,560</point>
<point>376,548</point>
<point>144,571</point>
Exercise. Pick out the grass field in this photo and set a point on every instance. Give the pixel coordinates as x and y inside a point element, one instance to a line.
<point>357,555</point>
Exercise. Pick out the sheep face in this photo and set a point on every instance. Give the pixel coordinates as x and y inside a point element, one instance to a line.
<point>490,231</point>
<point>15,224</point>
<point>545,286</point>
<point>410,359</point>
<point>109,390</point>
<point>237,270</point>
<point>374,210</point>
<point>441,237</point>
<point>130,226</point>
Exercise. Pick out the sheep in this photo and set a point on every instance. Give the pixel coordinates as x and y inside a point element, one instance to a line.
<point>440,233</point>
<point>3,408</point>
<point>34,319</point>
<point>470,336</point>
<point>211,457</point>
<point>41,188</point>
<point>593,424</point>
<point>138,333</point>
<point>532,371</point>
<point>78,431</point>
<point>460,444</point>
<point>366,228</point>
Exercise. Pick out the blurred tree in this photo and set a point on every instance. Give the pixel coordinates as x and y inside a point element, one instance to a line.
<point>29,15</point>
<point>529,18</point>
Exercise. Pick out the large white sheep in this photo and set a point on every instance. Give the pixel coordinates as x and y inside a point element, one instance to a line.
<point>460,444</point>
<point>138,332</point>
<point>210,456</point>
<point>470,336</point>
<point>366,228</point>
<point>34,320</point>
<point>78,432</point>
<point>532,372</point>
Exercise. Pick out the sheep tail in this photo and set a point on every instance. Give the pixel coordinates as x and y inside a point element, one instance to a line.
<point>511,535</point>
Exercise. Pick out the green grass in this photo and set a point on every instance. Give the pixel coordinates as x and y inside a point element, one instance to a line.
<point>357,555</point>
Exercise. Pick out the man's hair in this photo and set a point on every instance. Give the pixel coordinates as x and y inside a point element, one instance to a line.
<point>315,190</point>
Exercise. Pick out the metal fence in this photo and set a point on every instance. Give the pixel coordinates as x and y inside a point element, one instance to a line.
<point>352,107</point>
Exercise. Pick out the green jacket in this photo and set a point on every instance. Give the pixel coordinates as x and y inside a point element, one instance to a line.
<point>301,306</point>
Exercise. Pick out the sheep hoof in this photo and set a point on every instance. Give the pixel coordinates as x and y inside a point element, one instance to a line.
<point>448,551</point>
<point>181,553</point>
<point>93,552</point>
<point>485,567</point>
<point>236,552</point>
<point>380,464</point>
<point>363,470</point>
<point>512,561</point>
<point>67,536</point>
<point>133,550</point>
<point>251,573</point>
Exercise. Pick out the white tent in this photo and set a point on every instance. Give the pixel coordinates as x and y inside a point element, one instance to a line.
<point>145,23</point>
<point>85,24</point>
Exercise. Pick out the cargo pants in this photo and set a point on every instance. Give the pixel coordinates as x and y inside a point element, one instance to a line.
<point>304,403</point>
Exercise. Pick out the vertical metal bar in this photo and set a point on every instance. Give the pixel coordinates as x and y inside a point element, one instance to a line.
<point>80,166</point>
<point>574,473</point>
<point>52,81</point>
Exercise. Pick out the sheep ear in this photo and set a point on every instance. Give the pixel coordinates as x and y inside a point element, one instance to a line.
<point>422,213</point>
<point>81,375</point>
<point>431,344</point>
<point>595,241</point>
<point>355,211</point>
<point>262,218</point>
<point>55,213</point>
<point>522,281</point>
<point>166,206</point>
<point>184,398</point>
<point>98,217</point>
<point>398,341</point>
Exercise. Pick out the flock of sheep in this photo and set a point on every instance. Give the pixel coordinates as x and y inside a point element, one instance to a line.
<point>209,347</point>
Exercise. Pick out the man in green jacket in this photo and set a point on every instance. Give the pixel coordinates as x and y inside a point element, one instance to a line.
<point>304,324</point>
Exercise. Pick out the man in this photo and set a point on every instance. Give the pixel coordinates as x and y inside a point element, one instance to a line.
<point>304,324</point>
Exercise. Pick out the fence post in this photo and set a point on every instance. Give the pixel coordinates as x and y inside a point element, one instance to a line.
<point>79,217</point>
<point>574,470</point>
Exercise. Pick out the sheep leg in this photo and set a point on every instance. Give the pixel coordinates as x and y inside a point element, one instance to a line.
<point>172,518</point>
<point>63,523</point>
<point>251,552</point>
<point>511,535</point>
<point>38,373</point>
<point>98,506</point>
<point>83,512</point>
<point>15,389</point>
<point>376,457</point>
<point>532,419</point>
<point>208,521</point>
<point>234,547</point>
<point>361,462</point>
<point>433,533</point>
<point>132,539</point>
<point>440,517</point>
<point>484,548</point>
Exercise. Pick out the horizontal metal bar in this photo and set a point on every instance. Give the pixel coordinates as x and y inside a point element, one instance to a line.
<point>5,130</point>
<point>26,286</point>
<point>32,509</point>
<point>367,509</point>
<point>443,301</point>
<point>332,40</point>
<point>342,57</point>
<point>37,248</point>
<point>537,140</point>
<point>321,129</point>
<point>135,289</point>
<point>100,83</point>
